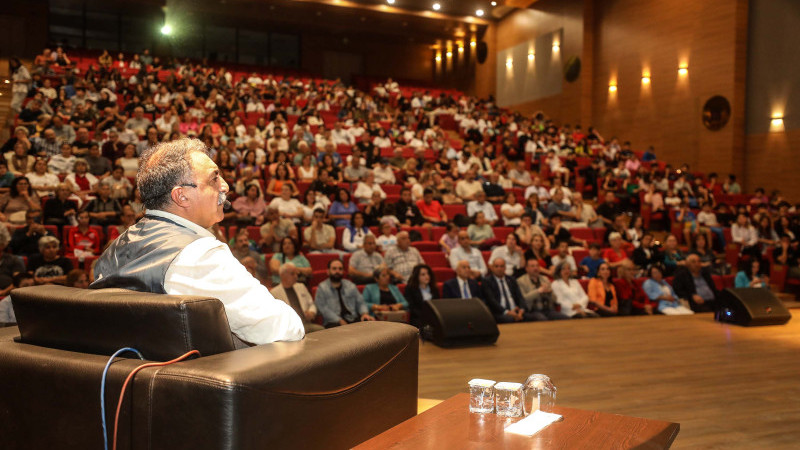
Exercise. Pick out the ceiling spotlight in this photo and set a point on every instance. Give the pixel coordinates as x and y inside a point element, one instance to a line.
<point>166,30</point>
<point>479,13</point>
<point>8,81</point>
<point>437,6</point>
<point>494,3</point>
<point>391,2</point>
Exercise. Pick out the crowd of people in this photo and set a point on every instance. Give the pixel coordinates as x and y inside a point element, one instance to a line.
<point>319,167</point>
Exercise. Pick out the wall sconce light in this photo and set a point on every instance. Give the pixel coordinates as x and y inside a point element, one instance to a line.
<point>449,54</point>
<point>556,47</point>
<point>438,57</point>
<point>612,87</point>
<point>776,123</point>
<point>531,55</point>
<point>683,71</point>
<point>646,78</point>
<point>473,43</point>
<point>509,63</point>
<point>460,48</point>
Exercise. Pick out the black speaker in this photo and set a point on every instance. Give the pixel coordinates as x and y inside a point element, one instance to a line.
<point>751,307</point>
<point>457,322</point>
<point>482,52</point>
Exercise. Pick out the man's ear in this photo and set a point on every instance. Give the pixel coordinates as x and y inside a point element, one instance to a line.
<point>179,198</point>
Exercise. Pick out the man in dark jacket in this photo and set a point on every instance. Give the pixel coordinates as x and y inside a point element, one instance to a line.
<point>695,285</point>
<point>503,297</point>
<point>462,286</point>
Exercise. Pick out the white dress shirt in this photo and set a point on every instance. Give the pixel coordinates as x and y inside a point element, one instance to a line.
<point>207,268</point>
<point>474,257</point>
<point>569,295</point>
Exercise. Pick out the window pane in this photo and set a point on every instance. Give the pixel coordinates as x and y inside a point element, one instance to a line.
<point>284,50</point>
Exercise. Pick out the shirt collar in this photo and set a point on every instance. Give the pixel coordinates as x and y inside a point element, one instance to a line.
<point>180,221</point>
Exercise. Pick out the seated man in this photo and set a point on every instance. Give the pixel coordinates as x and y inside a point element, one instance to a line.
<point>430,209</point>
<point>537,293</point>
<point>466,252</point>
<point>503,297</point>
<point>319,236</point>
<point>481,205</point>
<point>25,240</point>
<point>297,296</point>
<point>338,300</point>
<point>365,261</point>
<point>463,285</point>
<point>695,285</point>
<point>171,251</point>
<point>276,228</point>
<point>104,210</point>
<point>402,258</point>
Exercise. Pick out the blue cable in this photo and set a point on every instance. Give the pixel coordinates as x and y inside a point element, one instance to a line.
<point>103,389</point>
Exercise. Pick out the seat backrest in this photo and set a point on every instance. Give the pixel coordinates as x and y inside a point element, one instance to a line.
<point>101,321</point>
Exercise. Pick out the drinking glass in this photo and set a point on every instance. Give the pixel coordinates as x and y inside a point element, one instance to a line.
<point>481,396</point>
<point>539,394</point>
<point>508,397</point>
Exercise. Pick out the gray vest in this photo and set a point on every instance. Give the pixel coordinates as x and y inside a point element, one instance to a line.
<point>139,258</point>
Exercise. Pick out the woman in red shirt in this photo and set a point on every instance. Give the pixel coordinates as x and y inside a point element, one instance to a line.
<point>83,241</point>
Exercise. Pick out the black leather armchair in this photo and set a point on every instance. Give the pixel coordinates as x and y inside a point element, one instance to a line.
<point>334,389</point>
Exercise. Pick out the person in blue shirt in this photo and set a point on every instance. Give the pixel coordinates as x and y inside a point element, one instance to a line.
<point>749,276</point>
<point>382,295</point>
<point>591,263</point>
<point>659,291</point>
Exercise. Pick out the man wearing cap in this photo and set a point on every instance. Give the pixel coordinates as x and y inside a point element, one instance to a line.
<point>171,251</point>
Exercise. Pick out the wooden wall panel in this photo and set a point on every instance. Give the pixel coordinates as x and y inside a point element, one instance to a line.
<point>543,17</point>
<point>634,37</point>
<point>771,162</point>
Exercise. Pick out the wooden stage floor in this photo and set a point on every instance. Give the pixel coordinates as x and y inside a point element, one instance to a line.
<point>728,386</point>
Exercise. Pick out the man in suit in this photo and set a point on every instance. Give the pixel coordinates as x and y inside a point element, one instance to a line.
<point>462,286</point>
<point>694,284</point>
<point>537,293</point>
<point>503,297</point>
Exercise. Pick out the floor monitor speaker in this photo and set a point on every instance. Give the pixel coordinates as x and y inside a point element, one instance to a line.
<point>456,322</point>
<point>751,307</point>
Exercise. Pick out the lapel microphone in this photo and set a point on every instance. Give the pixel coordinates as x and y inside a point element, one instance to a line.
<point>223,200</point>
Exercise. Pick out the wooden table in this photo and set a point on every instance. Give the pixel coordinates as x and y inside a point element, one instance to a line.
<point>451,425</point>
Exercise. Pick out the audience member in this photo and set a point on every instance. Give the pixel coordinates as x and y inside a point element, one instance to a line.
<point>338,300</point>
<point>402,258</point>
<point>570,295</point>
<point>296,295</point>
<point>421,288</point>
<point>382,296</point>
<point>503,297</point>
<point>658,290</point>
<point>694,284</point>
<point>464,285</point>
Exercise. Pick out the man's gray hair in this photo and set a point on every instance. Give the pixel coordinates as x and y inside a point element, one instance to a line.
<point>163,167</point>
<point>285,267</point>
<point>44,241</point>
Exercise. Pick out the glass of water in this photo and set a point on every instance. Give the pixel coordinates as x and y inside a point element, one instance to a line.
<point>540,394</point>
<point>508,397</point>
<point>481,396</point>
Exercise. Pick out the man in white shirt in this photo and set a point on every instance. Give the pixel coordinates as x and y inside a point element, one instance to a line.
<point>171,251</point>
<point>340,136</point>
<point>383,173</point>
<point>469,187</point>
<point>466,252</point>
<point>481,205</point>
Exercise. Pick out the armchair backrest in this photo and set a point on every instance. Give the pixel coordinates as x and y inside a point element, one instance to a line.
<point>100,321</point>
